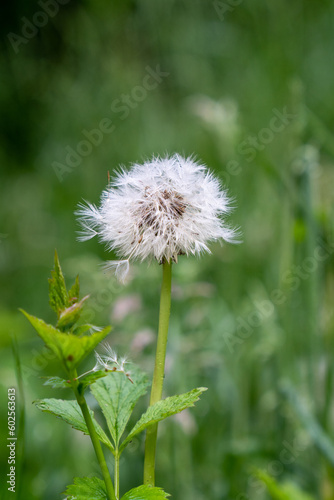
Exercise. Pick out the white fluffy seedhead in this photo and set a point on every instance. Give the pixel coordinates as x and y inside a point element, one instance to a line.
<point>109,362</point>
<point>164,208</point>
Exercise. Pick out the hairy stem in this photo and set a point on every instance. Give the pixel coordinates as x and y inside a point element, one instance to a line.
<point>159,371</point>
<point>96,443</point>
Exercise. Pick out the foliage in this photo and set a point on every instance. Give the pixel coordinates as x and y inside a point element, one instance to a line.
<point>92,488</point>
<point>115,392</point>
<point>86,488</point>
<point>286,491</point>
<point>70,349</point>
<point>163,409</point>
<point>70,412</point>
<point>145,493</point>
<point>319,437</point>
<point>117,398</point>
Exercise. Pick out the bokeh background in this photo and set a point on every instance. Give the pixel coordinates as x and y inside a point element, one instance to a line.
<point>247,87</point>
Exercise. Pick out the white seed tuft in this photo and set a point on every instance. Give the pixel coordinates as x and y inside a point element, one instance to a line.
<point>164,208</point>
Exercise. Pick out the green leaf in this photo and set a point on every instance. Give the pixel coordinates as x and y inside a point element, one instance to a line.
<point>145,493</point>
<point>65,303</point>
<point>86,488</point>
<point>117,397</point>
<point>70,412</point>
<point>79,330</point>
<point>58,296</point>
<point>74,291</point>
<point>58,383</point>
<point>91,378</point>
<point>69,316</point>
<point>84,381</point>
<point>69,348</point>
<point>163,409</point>
<point>286,491</point>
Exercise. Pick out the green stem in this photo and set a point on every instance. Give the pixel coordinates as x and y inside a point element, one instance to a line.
<point>159,371</point>
<point>96,443</point>
<point>116,474</point>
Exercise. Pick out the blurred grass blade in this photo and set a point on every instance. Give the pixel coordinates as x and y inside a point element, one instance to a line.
<point>321,440</point>
<point>285,491</point>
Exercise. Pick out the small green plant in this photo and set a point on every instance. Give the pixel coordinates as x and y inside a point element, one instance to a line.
<point>115,389</point>
<point>162,209</point>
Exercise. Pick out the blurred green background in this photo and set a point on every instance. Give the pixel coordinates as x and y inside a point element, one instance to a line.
<point>248,88</point>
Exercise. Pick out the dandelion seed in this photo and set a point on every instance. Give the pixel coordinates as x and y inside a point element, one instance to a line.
<point>121,268</point>
<point>100,363</point>
<point>108,361</point>
<point>122,363</point>
<point>162,209</point>
<point>110,356</point>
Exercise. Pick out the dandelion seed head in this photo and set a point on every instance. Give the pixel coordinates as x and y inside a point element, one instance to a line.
<point>161,209</point>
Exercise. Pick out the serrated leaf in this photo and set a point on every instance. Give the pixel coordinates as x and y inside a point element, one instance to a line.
<point>145,493</point>
<point>117,397</point>
<point>69,316</point>
<point>163,409</point>
<point>74,291</point>
<point>58,383</point>
<point>58,296</point>
<point>70,412</point>
<point>86,488</point>
<point>69,348</point>
<point>84,381</point>
<point>91,378</point>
